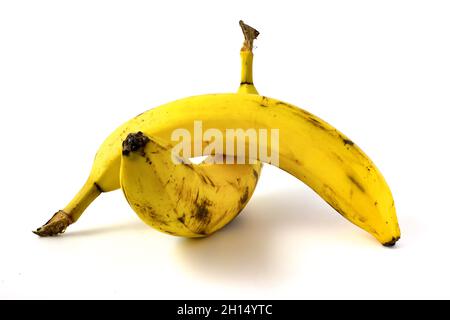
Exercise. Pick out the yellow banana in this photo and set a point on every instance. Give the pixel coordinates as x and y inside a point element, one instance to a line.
<point>181,200</point>
<point>309,148</point>
<point>104,176</point>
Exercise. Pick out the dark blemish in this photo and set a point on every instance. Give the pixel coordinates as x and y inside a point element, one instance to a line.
<point>336,207</point>
<point>140,114</point>
<point>155,217</point>
<point>196,197</point>
<point>134,142</point>
<point>201,215</point>
<point>255,174</point>
<point>203,179</point>
<point>338,157</point>
<point>188,165</point>
<point>169,232</point>
<point>356,183</point>
<point>246,83</point>
<point>234,185</point>
<point>244,197</point>
<point>362,219</point>
<point>264,102</point>
<point>387,222</point>
<point>347,141</point>
<point>281,103</point>
<point>376,203</point>
<point>182,219</point>
<point>316,123</point>
<point>294,108</point>
<point>210,181</point>
<point>332,201</point>
<point>305,112</point>
<point>391,243</point>
<point>147,159</point>
<point>202,212</point>
<point>98,187</point>
<point>207,180</point>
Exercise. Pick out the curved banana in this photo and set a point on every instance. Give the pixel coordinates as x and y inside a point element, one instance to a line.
<point>181,200</point>
<point>104,176</point>
<point>309,148</point>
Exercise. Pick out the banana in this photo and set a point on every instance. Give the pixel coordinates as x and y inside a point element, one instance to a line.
<point>104,176</point>
<point>309,148</point>
<point>181,199</point>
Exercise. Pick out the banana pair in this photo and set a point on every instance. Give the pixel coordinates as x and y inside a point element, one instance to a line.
<point>196,200</point>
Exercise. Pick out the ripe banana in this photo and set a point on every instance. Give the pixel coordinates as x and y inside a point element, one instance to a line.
<point>181,199</point>
<point>309,148</point>
<point>104,176</point>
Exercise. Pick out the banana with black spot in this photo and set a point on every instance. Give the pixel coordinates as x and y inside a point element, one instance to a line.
<point>181,199</point>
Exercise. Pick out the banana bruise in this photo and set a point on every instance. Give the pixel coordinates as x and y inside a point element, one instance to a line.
<point>180,199</point>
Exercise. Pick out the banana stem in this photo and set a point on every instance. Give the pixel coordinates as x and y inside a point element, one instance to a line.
<point>63,218</point>
<point>88,193</point>
<point>246,68</point>
<point>250,34</point>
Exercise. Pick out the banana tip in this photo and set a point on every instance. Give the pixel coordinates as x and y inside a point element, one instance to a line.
<point>134,142</point>
<point>391,243</point>
<point>39,232</point>
<point>56,225</point>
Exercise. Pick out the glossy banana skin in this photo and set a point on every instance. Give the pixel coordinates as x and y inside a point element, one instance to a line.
<point>309,148</point>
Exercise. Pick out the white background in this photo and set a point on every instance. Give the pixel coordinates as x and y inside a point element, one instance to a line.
<point>71,71</point>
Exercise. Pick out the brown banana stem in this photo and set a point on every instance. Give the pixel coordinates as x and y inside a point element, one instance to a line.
<point>250,34</point>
